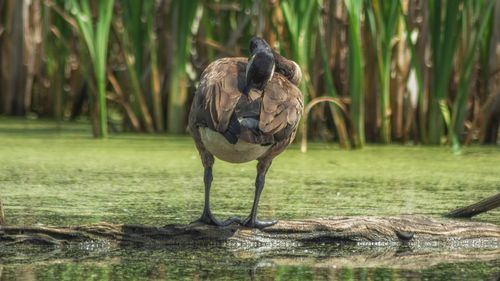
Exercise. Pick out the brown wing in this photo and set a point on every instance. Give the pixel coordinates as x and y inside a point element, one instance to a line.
<point>218,94</point>
<point>217,98</point>
<point>282,107</point>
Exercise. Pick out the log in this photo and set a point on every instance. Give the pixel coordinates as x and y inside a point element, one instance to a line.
<point>482,206</point>
<point>2,214</point>
<point>410,231</point>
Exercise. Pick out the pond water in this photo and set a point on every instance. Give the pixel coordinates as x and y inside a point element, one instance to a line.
<point>56,174</point>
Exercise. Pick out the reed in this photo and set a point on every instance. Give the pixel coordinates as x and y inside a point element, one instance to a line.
<point>476,15</point>
<point>417,68</point>
<point>383,17</point>
<point>445,20</point>
<point>161,47</point>
<point>354,11</point>
<point>134,34</point>
<point>11,56</point>
<point>301,18</point>
<point>57,52</point>
<point>96,39</point>
<point>155,72</point>
<point>182,21</point>
<point>338,117</point>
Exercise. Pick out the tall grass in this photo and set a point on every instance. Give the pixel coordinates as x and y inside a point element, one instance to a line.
<point>11,56</point>
<point>354,10</point>
<point>182,22</point>
<point>383,17</point>
<point>96,39</point>
<point>133,41</point>
<point>445,20</point>
<point>155,72</point>
<point>417,72</point>
<point>301,19</point>
<point>338,117</point>
<point>476,15</point>
<point>159,49</point>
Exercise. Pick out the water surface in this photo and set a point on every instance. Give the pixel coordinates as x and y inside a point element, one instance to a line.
<point>56,174</point>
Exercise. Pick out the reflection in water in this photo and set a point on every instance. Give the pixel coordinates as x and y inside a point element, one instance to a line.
<point>329,263</point>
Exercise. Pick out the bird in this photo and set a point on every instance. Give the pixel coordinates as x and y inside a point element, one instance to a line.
<point>245,109</point>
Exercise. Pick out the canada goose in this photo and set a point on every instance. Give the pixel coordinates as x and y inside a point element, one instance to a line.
<point>244,110</point>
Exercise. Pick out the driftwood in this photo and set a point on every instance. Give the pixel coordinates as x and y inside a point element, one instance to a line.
<point>2,214</point>
<point>476,208</point>
<point>411,231</point>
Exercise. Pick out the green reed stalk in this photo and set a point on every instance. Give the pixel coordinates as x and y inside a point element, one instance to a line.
<point>383,18</point>
<point>338,118</point>
<point>55,56</point>
<point>478,12</point>
<point>134,39</point>
<point>301,18</point>
<point>417,68</point>
<point>155,80</point>
<point>184,15</point>
<point>484,53</point>
<point>444,27</point>
<point>354,10</point>
<point>97,45</point>
<point>134,13</point>
<point>209,33</point>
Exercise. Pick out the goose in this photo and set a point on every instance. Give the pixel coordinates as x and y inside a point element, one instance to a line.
<point>244,110</point>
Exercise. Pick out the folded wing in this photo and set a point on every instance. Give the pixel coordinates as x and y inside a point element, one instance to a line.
<point>218,97</point>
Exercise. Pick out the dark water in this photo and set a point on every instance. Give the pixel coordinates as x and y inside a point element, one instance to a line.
<point>60,176</point>
<point>336,263</point>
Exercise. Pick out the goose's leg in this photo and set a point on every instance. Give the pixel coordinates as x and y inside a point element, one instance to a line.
<point>207,216</point>
<point>252,220</point>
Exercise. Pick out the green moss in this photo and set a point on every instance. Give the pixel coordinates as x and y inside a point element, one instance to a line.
<point>56,174</point>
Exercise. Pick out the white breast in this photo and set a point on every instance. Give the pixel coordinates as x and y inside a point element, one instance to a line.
<point>240,152</point>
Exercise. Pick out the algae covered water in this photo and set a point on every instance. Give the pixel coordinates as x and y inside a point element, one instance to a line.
<point>58,175</point>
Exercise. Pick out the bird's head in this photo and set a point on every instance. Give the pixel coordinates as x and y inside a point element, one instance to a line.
<point>257,44</point>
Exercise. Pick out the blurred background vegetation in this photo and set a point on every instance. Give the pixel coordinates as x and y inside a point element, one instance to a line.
<point>408,71</point>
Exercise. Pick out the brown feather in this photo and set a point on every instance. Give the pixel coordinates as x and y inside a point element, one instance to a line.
<point>219,93</point>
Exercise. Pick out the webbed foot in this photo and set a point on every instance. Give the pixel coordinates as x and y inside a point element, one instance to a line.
<point>208,218</point>
<point>255,223</point>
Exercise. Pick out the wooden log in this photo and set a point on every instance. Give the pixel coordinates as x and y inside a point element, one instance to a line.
<point>476,208</point>
<point>413,231</point>
<point>2,214</point>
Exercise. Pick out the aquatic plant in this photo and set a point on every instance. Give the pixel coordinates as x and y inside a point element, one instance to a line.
<point>406,71</point>
<point>476,17</point>
<point>96,39</point>
<point>383,17</point>
<point>354,10</point>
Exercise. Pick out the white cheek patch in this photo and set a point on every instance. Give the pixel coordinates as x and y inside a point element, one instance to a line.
<point>249,64</point>
<point>272,73</point>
